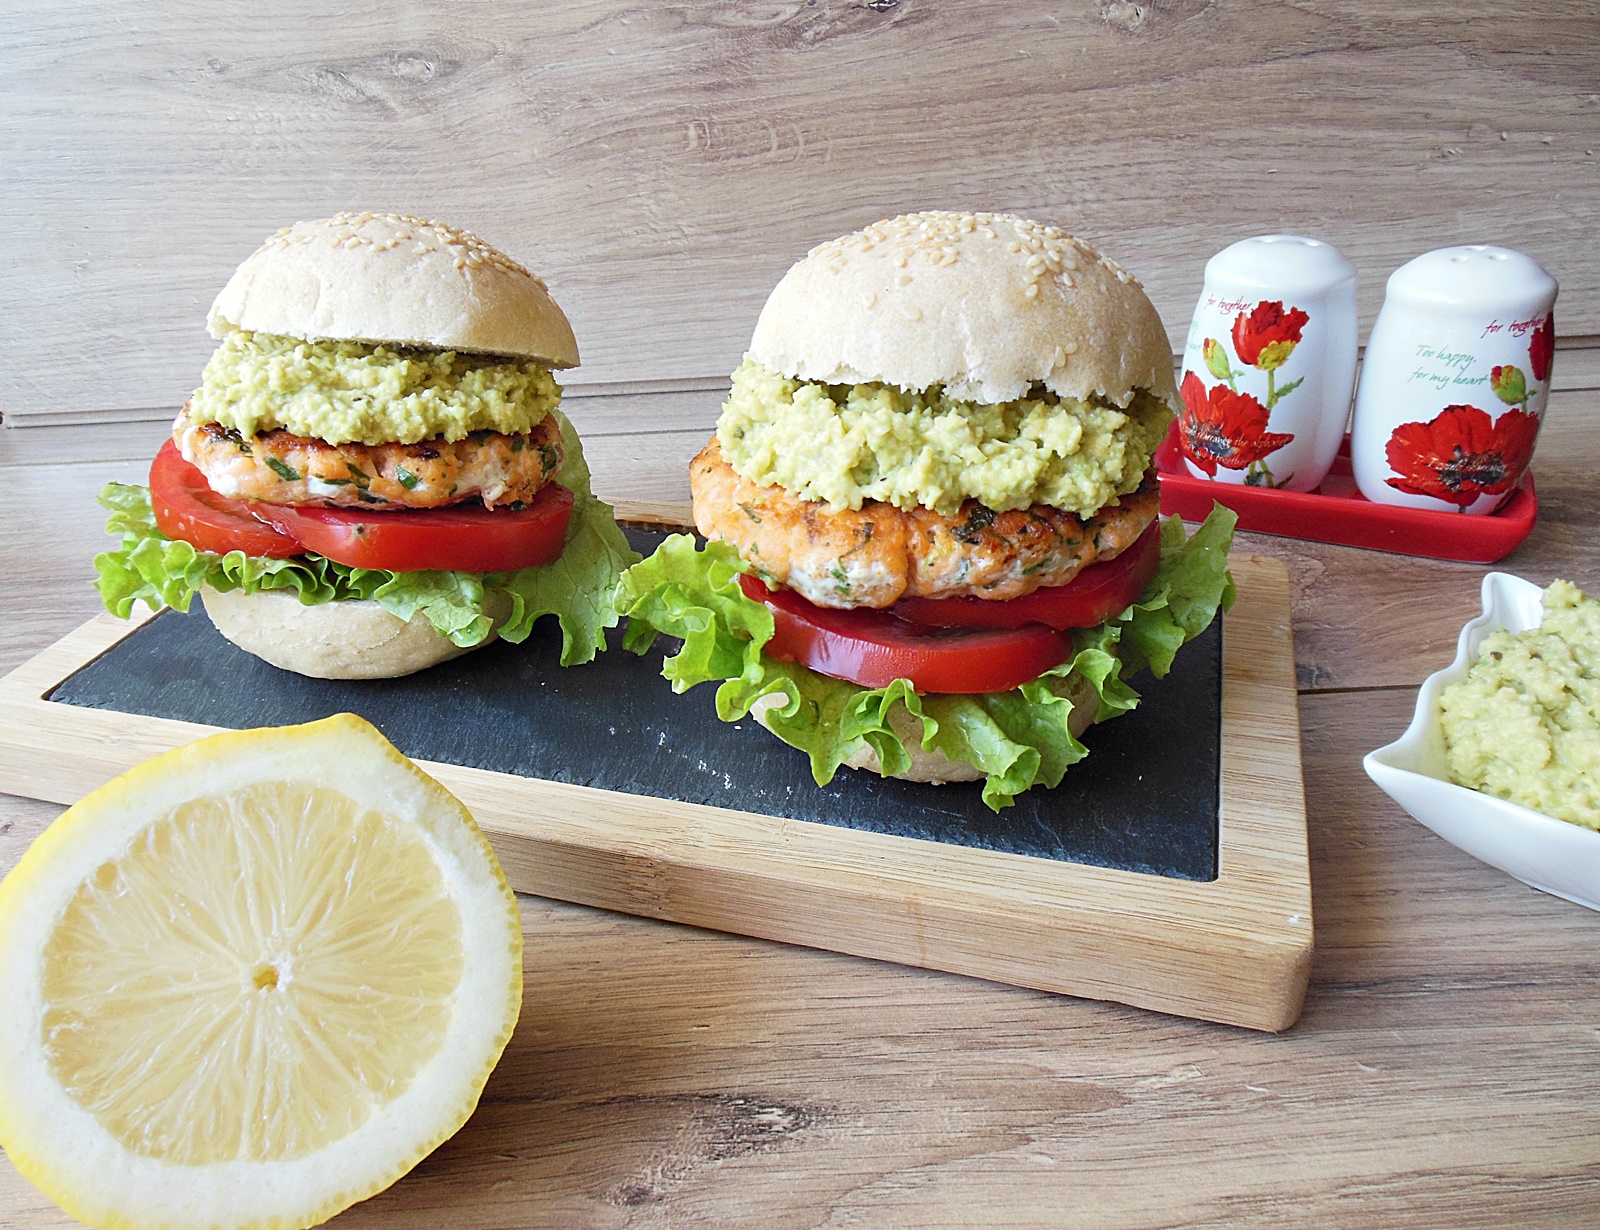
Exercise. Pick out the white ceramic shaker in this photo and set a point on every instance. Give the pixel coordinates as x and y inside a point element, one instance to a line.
<point>1269,364</point>
<point>1455,380</point>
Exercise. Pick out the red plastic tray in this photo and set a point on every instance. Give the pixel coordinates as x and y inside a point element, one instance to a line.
<point>1337,512</point>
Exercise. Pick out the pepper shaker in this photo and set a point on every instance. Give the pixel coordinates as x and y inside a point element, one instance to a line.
<point>1455,380</point>
<point>1269,364</point>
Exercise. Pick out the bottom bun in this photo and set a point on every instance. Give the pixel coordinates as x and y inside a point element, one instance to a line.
<point>349,639</point>
<point>934,767</point>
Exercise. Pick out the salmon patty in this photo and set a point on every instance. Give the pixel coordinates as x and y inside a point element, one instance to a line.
<point>879,554</point>
<point>278,467</point>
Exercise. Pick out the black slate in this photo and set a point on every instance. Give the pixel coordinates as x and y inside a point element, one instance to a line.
<point>1145,800</point>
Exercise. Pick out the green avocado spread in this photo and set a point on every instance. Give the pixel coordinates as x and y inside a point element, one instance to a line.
<point>367,393</point>
<point>1524,725</point>
<point>843,444</point>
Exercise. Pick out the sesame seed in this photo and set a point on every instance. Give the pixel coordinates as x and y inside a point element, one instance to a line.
<point>938,238</point>
<point>384,232</point>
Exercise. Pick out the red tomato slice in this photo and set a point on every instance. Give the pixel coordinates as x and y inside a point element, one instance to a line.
<point>187,509</point>
<point>1093,596</point>
<point>466,538</point>
<point>874,648</point>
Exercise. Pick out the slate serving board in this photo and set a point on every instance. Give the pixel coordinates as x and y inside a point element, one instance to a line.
<point>919,875</point>
<point>1149,804</point>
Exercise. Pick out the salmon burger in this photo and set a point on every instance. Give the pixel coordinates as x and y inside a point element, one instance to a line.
<point>374,474</point>
<point>932,547</point>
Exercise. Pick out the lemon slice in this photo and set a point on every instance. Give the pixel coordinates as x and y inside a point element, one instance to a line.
<point>251,982</point>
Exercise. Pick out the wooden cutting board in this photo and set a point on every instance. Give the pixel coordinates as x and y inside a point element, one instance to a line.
<point>1064,893</point>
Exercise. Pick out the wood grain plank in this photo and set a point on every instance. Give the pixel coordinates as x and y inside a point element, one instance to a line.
<point>52,531</point>
<point>1441,1077</point>
<point>663,166</point>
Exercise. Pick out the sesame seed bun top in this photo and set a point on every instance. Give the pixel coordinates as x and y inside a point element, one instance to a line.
<point>392,278</point>
<point>986,305</point>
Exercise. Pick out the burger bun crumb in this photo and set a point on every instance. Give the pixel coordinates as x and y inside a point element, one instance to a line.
<point>348,639</point>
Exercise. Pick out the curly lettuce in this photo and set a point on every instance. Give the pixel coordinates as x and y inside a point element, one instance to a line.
<point>1019,739</point>
<point>577,587</point>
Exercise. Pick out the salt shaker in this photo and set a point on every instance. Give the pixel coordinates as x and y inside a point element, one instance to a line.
<point>1269,364</point>
<point>1455,380</point>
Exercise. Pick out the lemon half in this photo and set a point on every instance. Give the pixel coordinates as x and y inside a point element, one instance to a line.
<point>251,982</point>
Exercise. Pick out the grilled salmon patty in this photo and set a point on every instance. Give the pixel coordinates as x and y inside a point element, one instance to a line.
<point>874,556</point>
<point>279,467</point>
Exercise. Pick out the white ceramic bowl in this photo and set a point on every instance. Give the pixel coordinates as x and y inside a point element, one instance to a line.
<point>1541,851</point>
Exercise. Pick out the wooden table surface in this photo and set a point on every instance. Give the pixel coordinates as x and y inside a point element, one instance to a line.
<point>1446,1071</point>
<point>661,165</point>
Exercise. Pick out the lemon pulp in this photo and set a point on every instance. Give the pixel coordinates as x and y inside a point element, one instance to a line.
<point>253,977</point>
<point>250,982</point>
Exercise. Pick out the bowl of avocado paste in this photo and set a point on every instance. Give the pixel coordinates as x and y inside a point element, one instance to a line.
<point>1502,757</point>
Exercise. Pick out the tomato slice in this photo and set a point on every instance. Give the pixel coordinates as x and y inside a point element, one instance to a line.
<point>463,538</point>
<point>1093,596</point>
<point>956,644</point>
<point>874,648</point>
<point>466,538</point>
<point>187,509</point>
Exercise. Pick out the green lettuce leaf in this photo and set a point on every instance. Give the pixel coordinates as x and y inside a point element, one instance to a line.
<point>577,588</point>
<point>1182,600</point>
<point>1019,739</point>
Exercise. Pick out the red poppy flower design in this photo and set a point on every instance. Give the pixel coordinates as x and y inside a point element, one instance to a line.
<point>1461,453</point>
<point>1542,348</point>
<point>1264,338</point>
<point>1224,428</point>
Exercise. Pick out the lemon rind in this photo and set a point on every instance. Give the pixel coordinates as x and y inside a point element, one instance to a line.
<point>61,1148</point>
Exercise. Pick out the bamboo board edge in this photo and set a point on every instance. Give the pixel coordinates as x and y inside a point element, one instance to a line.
<point>1236,949</point>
